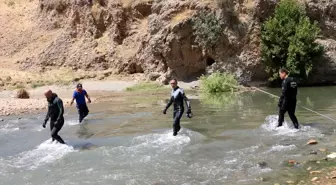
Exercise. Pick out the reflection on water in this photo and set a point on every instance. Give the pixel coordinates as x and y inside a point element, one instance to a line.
<point>230,140</point>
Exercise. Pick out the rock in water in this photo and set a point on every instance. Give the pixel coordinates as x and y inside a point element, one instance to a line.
<point>332,156</point>
<point>315,179</point>
<point>262,164</point>
<point>291,161</point>
<point>290,182</point>
<point>312,142</point>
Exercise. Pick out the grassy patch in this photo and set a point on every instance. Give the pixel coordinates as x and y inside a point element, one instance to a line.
<point>145,86</point>
<point>218,83</point>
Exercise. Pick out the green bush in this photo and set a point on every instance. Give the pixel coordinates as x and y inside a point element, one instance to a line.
<point>206,28</point>
<point>288,40</point>
<point>218,83</point>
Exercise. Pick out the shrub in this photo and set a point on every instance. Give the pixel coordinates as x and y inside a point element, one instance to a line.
<point>288,40</point>
<point>206,28</point>
<point>22,94</point>
<point>218,83</point>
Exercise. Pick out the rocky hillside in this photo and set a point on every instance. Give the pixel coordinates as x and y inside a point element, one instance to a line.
<point>154,37</point>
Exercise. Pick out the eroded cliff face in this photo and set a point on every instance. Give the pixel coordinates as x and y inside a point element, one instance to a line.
<point>156,37</point>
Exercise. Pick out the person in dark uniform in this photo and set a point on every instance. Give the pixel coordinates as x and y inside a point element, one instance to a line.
<point>177,97</point>
<point>80,94</point>
<point>55,113</point>
<point>287,101</point>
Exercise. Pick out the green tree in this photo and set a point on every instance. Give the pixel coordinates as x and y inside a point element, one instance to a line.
<point>207,29</point>
<point>288,40</point>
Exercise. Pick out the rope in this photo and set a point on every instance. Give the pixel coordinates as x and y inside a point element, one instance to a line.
<point>298,105</point>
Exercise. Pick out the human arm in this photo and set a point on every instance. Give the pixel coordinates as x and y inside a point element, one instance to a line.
<point>59,103</point>
<point>73,97</point>
<point>88,97</point>
<point>187,102</point>
<point>46,118</point>
<point>168,105</point>
<point>282,100</point>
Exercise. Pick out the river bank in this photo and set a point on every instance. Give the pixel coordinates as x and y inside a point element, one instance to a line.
<point>10,105</point>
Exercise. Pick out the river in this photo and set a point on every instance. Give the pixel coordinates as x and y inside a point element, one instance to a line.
<point>130,141</point>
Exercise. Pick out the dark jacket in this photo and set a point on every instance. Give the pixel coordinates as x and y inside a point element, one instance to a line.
<point>289,92</point>
<point>55,109</point>
<point>178,97</point>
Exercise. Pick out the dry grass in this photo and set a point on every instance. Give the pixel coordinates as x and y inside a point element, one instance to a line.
<point>181,16</point>
<point>20,79</point>
<point>10,3</point>
<point>22,94</point>
<point>126,3</point>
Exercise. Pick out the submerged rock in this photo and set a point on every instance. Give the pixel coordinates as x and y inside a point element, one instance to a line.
<point>315,172</point>
<point>315,179</point>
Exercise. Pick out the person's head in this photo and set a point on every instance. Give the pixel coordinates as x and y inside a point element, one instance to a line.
<point>173,83</point>
<point>283,73</point>
<point>48,94</point>
<point>79,86</point>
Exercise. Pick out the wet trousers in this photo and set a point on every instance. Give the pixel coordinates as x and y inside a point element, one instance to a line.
<point>55,128</point>
<point>177,117</point>
<point>290,108</point>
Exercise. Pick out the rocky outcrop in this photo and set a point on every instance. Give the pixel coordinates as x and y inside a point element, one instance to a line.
<point>157,37</point>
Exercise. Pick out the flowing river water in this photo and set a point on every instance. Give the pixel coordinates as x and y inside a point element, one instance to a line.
<point>130,141</point>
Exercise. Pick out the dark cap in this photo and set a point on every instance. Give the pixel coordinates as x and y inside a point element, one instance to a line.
<point>79,85</point>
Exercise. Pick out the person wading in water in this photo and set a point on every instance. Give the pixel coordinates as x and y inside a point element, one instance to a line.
<point>80,94</point>
<point>55,113</point>
<point>177,97</point>
<point>287,101</point>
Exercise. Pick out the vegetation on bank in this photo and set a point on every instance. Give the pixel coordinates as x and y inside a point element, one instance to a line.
<point>206,28</point>
<point>145,86</point>
<point>218,83</point>
<point>288,40</point>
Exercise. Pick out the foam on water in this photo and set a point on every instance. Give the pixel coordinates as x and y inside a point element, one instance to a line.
<point>8,128</point>
<point>271,123</point>
<point>71,122</point>
<point>278,148</point>
<point>46,152</point>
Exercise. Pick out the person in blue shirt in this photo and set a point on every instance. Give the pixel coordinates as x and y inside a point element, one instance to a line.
<point>80,94</point>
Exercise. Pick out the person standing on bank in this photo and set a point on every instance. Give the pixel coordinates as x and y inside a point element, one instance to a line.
<point>177,97</point>
<point>55,113</point>
<point>80,94</point>
<point>287,101</point>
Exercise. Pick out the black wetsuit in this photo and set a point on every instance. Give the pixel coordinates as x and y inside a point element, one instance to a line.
<point>287,102</point>
<point>55,113</point>
<point>178,97</point>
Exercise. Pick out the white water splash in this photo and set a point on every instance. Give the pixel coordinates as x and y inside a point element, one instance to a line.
<point>271,123</point>
<point>8,128</point>
<point>46,152</point>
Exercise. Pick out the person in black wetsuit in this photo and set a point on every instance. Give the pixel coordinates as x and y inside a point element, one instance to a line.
<point>177,97</point>
<point>55,113</point>
<point>287,101</point>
